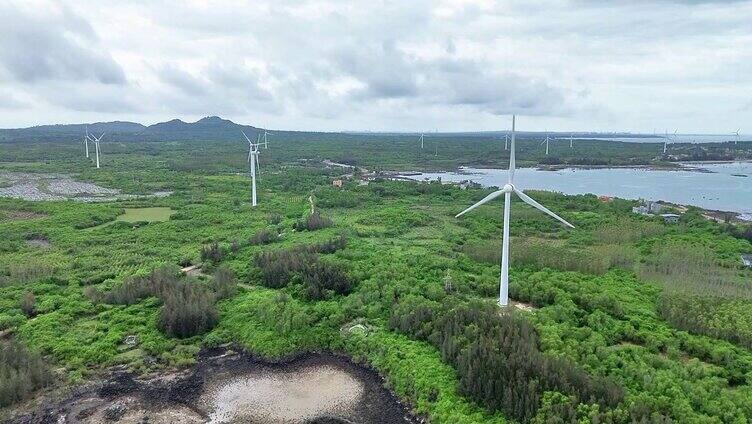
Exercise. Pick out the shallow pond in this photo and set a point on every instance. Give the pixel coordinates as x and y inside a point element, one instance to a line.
<point>233,387</point>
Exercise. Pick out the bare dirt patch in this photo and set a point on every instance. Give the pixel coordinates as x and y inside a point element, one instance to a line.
<point>527,307</point>
<point>39,242</point>
<point>192,271</point>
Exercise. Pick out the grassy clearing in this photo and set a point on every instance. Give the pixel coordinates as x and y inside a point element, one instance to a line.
<point>146,214</point>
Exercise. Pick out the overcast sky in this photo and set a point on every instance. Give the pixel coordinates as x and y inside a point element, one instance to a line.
<point>413,65</point>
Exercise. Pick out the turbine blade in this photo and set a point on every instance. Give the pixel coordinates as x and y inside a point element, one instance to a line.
<point>486,199</point>
<point>530,201</point>
<point>246,137</point>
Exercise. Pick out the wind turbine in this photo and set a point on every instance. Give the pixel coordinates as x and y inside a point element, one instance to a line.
<point>265,133</point>
<point>570,140</point>
<point>507,191</point>
<point>421,140</point>
<point>736,140</point>
<point>253,153</point>
<point>96,146</point>
<point>665,142</point>
<point>546,141</point>
<point>506,141</point>
<point>86,141</point>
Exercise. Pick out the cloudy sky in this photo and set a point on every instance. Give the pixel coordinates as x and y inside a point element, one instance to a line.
<point>381,65</point>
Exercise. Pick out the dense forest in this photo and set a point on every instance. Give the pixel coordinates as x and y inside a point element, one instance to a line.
<point>623,319</point>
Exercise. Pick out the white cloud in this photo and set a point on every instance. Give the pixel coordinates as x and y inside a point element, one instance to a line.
<point>385,65</point>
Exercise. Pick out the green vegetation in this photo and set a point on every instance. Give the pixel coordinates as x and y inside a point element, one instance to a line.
<point>21,372</point>
<point>146,214</point>
<point>631,320</point>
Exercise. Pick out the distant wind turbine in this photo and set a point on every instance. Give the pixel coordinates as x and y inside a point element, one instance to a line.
<point>546,141</point>
<point>665,142</point>
<point>570,140</point>
<point>421,140</point>
<point>736,140</point>
<point>96,146</point>
<point>253,153</point>
<point>506,141</point>
<point>507,191</point>
<point>265,133</point>
<point>86,141</point>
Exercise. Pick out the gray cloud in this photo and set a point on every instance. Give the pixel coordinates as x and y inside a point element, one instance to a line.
<point>50,46</point>
<point>9,101</point>
<point>389,65</point>
<point>182,80</point>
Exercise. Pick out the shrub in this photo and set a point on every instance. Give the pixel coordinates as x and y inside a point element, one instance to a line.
<point>28,304</point>
<point>321,279</point>
<point>332,245</point>
<point>21,372</point>
<point>264,237</point>
<point>498,360</point>
<point>224,283</point>
<point>314,222</point>
<point>278,267</point>
<point>274,219</point>
<point>187,311</point>
<point>212,253</point>
<point>188,307</point>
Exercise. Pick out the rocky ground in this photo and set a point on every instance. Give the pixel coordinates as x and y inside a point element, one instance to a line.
<point>48,187</point>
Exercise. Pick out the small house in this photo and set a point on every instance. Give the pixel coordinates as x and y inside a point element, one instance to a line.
<point>337,183</point>
<point>654,207</point>
<point>641,210</point>
<point>605,199</point>
<point>646,208</point>
<point>670,218</point>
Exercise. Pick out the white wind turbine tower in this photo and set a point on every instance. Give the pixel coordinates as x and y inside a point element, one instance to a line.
<point>96,146</point>
<point>546,141</point>
<point>736,140</point>
<point>253,153</point>
<point>86,141</point>
<point>507,191</point>
<point>667,138</point>
<point>421,140</point>
<point>570,140</point>
<point>265,133</point>
<point>506,141</point>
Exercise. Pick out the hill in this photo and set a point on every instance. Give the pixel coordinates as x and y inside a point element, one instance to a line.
<point>210,127</point>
